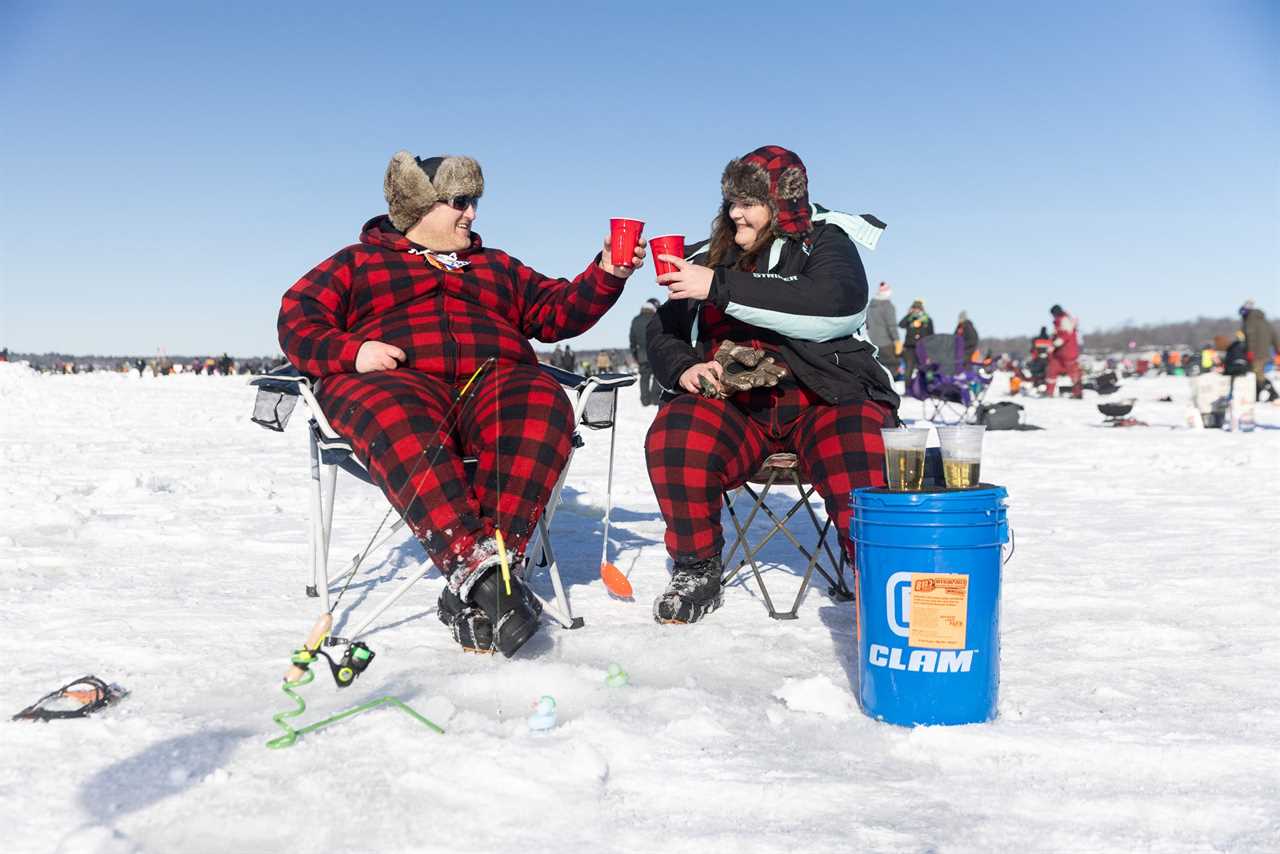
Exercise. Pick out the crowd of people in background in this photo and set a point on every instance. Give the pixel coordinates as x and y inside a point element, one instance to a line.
<point>156,366</point>
<point>1054,352</point>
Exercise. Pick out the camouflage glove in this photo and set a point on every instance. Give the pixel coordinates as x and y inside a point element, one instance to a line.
<point>745,368</point>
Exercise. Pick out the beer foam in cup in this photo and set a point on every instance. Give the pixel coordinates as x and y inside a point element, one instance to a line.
<point>904,437</point>
<point>962,440</point>
<point>624,234</point>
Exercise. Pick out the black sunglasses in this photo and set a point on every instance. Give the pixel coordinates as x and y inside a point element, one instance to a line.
<point>461,203</point>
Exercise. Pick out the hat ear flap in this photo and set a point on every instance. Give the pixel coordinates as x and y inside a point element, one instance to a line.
<point>408,191</point>
<point>793,183</point>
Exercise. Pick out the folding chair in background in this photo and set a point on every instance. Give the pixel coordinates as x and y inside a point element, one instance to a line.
<point>783,470</point>
<point>595,406</point>
<point>950,385</point>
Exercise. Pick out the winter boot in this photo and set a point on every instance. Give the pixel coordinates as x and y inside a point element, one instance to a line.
<point>470,625</point>
<point>513,618</point>
<point>693,593</point>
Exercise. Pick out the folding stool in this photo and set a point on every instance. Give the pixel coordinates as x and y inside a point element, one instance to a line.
<point>594,399</point>
<point>783,469</point>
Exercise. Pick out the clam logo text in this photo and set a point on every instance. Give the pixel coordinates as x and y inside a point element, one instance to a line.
<point>921,660</point>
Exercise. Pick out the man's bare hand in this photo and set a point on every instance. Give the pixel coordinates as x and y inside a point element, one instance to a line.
<point>377,356</point>
<point>623,269</point>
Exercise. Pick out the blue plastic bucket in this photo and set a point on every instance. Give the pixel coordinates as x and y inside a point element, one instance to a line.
<point>941,549</point>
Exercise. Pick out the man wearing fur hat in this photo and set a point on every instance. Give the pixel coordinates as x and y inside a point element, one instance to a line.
<point>783,295</point>
<point>393,327</point>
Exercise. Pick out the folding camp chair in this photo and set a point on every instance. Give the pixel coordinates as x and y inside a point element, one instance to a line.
<point>949,384</point>
<point>595,403</point>
<point>783,470</point>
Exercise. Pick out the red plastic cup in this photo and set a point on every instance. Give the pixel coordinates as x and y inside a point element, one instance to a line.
<point>666,244</point>
<point>623,236</point>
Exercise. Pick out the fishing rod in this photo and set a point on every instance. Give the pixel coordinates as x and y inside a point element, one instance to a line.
<point>358,656</point>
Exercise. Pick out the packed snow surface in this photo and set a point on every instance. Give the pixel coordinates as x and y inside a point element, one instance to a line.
<point>154,536</point>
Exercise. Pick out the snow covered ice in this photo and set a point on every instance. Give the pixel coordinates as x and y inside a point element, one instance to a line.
<point>152,535</point>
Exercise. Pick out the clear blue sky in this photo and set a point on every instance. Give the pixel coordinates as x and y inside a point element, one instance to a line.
<point>167,170</point>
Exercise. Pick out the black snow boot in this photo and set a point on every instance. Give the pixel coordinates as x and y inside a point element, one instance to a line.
<point>470,625</point>
<point>513,619</point>
<point>693,593</point>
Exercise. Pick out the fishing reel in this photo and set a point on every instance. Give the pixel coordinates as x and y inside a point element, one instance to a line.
<point>353,662</point>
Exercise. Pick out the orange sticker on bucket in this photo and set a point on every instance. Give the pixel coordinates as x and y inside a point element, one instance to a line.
<point>939,610</point>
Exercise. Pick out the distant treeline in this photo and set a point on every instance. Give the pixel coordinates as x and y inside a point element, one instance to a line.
<point>1188,334</point>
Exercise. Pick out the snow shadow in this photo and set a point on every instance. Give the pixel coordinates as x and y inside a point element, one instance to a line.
<point>571,502</point>
<point>779,554</point>
<point>409,554</point>
<point>576,531</point>
<point>841,620</point>
<point>165,768</point>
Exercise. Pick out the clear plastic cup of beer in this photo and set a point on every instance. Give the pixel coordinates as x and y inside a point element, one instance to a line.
<point>962,454</point>
<point>904,458</point>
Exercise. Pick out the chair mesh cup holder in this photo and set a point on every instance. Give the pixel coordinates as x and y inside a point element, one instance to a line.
<point>601,409</point>
<point>272,407</point>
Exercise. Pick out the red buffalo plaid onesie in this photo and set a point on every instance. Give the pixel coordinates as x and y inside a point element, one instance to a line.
<point>516,421</point>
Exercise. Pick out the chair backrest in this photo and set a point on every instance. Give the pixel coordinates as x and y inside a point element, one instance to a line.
<point>940,373</point>
<point>941,353</point>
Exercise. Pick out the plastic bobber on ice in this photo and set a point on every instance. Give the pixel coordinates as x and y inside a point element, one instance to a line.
<point>617,677</point>
<point>544,714</point>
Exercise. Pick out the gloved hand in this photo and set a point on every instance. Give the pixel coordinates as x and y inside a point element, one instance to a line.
<point>897,348</point>
<point>746,368</point>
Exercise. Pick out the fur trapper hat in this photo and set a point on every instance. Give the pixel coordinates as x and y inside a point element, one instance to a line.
<point>414,184</point>
<point>775,176</point>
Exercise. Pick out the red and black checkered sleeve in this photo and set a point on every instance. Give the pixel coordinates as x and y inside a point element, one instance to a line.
<point>311,319</point>
<point>555,309</point>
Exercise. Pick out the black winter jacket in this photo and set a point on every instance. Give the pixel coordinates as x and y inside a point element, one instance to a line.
<point>808,306</point>
<point>639,330</point>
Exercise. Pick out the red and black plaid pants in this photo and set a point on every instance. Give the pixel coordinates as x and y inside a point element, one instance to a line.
<point>699,448</point>
<point>517,423</point>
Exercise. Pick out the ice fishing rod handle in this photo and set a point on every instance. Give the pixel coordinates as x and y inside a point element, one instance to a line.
<point>318,633</point>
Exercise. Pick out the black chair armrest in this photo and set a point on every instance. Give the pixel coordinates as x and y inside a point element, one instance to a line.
<point>568,379</point>
<point>284,379</point>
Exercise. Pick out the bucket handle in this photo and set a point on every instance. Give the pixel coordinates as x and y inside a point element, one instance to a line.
<point>1013,547</point>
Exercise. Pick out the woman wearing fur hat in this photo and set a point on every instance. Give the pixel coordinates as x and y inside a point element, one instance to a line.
<point>781,299</point>
<point>394,326</point>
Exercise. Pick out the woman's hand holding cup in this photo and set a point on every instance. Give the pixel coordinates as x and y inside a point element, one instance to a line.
<point>687,281</point>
